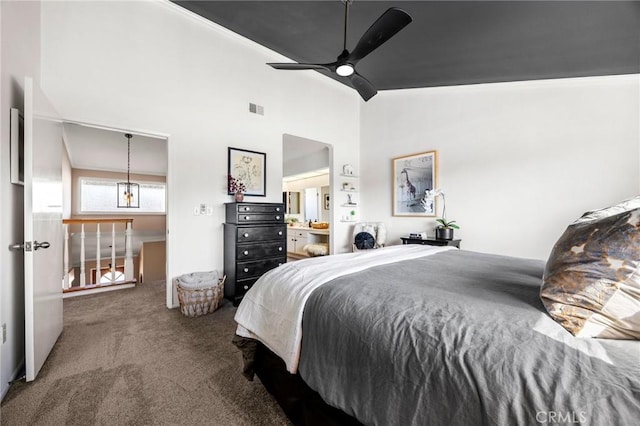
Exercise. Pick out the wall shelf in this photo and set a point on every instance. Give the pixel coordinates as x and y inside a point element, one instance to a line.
<point>349,190</point>
<point>348,205</point>
<point>348,176</point>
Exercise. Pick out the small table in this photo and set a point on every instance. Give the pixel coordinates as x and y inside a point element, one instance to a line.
<point>430,241</point>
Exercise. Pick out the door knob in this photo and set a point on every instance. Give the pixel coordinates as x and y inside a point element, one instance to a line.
<point>28,246</point>
<point>42,245</point>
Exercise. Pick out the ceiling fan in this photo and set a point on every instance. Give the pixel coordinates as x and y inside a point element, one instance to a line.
<point>387,25</point>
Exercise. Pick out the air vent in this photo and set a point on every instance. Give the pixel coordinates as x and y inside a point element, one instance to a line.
<point>256,109</point>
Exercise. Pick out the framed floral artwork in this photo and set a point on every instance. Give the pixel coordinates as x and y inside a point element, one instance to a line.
<point>413,175</point>
<point>248,167</point>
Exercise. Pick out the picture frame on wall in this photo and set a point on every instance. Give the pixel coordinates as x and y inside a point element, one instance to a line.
<point>412,176</point>
<point>249,167</point>
<point>17,147</point>
<point>327,204</point>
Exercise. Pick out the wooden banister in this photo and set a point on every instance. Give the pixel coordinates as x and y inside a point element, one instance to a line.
<point>80,221</point>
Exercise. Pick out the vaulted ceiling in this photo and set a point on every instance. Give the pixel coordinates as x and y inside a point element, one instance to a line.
<point>448,42</point>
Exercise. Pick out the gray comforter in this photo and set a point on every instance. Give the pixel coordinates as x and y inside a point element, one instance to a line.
<point>460,338</point>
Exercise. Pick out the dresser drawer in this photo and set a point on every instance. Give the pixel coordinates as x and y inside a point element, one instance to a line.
<point>243,285</point>
<point>260,217</point>
<point>254,213</point>
<point>260,250</point>
<point>252,208</point>
<point>261,233</point>
<point>258,267</point>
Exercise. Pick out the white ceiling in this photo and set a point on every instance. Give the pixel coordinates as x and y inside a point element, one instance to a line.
<point>95,148</point>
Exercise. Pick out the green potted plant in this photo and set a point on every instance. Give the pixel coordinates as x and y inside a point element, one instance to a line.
<point>445,230</point>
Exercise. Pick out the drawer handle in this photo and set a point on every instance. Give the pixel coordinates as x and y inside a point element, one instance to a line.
<point>277,209</point>
<point>246,235</point>
<point>246,218</point>
<point>246,252</point>
<point>246,209</point>
<point>246,287</point>
<point>277,217</point>
<point>279,248</point>
<point>279,232</point>
<point>246,269</point>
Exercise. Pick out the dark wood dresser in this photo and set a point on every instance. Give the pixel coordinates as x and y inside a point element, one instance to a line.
<point>255,241</point>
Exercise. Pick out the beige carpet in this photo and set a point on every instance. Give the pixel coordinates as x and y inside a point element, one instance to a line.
<point>123,358</point>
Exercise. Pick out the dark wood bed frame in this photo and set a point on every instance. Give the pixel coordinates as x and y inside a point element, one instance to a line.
<point>302,405</point>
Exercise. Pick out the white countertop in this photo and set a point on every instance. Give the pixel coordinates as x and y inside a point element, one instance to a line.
<point>310,230</point>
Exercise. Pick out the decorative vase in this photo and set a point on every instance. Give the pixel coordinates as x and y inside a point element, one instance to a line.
<point>239,197</point>
<point>444,233</point>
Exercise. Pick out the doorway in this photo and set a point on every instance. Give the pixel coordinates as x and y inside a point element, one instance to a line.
<point>99,157</point>
<point>306,183</point>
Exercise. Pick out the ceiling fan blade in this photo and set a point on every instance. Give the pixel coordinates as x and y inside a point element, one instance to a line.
<point>387,25</point>
<point>295,66</point>
<point>363,86</point>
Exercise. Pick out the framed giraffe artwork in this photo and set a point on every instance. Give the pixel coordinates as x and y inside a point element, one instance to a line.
<point>412,176</point>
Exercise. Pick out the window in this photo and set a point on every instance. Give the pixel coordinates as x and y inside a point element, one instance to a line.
<point>99,196</point>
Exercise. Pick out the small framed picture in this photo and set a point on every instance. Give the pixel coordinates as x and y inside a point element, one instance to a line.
<point>412,176</point>
<point>249,167</point>
<point>17,147</point>
<point>326,202</point>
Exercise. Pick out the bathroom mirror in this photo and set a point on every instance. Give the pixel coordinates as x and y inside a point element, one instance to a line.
<point>291,201</point>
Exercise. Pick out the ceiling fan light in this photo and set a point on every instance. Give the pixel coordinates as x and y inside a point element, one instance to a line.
<point>344,70</point>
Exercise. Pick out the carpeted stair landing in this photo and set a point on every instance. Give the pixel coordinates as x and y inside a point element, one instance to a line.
<point>124,358</point>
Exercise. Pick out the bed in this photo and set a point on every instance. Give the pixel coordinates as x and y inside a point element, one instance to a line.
<point>427,335</point>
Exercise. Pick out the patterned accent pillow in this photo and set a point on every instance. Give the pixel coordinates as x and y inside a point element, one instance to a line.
<point>625,206</point>
<point>591,284</point>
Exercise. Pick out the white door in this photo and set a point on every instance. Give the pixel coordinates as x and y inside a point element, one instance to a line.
<point>42,228</point>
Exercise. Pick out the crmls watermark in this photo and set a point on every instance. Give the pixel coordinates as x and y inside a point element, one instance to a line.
<point>563,417</point>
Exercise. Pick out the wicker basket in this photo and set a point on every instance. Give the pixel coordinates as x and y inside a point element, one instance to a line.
<point>200,301</point>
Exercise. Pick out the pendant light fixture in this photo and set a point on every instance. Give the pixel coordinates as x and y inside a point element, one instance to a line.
<point>128,192</point>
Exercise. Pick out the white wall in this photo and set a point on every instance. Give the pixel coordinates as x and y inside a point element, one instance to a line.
<point>20,50</point>
<point>518,161</point>
<point>151,66</point>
